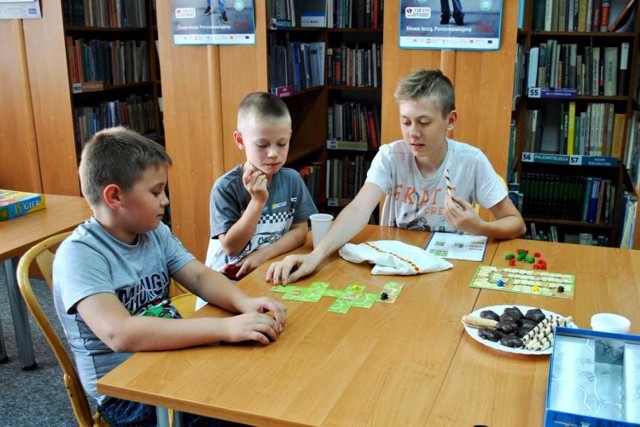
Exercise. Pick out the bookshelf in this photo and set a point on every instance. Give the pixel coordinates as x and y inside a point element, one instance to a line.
<point>331,77</point>
<point>113,67</point>
<point>572,111</point>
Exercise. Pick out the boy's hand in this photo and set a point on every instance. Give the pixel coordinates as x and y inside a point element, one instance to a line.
<point>292,268</point>
<point>461,215</point>
<point>251,326</point>
<point>265,305</point>
<point>249,263</point>
<point>255,181</point>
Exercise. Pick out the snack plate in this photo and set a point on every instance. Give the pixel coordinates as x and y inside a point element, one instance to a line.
<point>499,309</point>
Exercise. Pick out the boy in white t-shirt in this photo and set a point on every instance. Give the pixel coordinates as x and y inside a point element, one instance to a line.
<point>411,172</point>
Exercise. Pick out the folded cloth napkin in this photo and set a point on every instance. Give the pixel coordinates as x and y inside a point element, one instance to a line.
<point>394,257</point>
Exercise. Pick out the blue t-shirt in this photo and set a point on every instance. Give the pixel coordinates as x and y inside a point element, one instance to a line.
<point>289,203</point>
<point>92,261</point>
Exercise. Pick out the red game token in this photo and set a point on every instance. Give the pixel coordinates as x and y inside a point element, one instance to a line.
<point>537,255</point>
<point>512,262</point>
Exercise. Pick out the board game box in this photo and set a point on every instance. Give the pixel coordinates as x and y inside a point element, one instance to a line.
<point>593,379</point>
<point>17,203</point>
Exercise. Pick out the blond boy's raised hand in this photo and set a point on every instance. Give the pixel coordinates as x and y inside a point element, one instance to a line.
<point>255,182</point>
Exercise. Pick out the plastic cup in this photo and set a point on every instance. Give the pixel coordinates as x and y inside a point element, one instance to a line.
<point>320,224</point>
<point>610,322</point>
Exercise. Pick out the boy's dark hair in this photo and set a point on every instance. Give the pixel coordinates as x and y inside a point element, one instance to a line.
<point>259,106</point>
<point>430,84</point>
<point>117,156</point>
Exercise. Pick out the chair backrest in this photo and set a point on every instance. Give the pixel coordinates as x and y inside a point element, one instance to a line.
<point>43,255</point>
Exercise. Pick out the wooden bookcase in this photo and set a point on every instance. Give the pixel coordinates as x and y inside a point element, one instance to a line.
<point>575,107</point>
<point>113,67</point>
<point>336,117</point>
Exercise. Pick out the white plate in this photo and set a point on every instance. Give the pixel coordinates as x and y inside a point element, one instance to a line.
<point>499,309</point>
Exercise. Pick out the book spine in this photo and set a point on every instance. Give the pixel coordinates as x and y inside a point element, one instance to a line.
<point>604,15</point>
<point>593,200</point>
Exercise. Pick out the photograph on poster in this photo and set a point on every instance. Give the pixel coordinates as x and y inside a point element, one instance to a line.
<point>450,24</point>
<point>221,22</point>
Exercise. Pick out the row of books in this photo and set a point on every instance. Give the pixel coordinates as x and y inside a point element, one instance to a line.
<point>564,129</point>
<point>105,13</point>
<point>583,15</point>
<point>344,176</point>
<point>135,112</point>
<point>355,66</point>
<point>632,149</point>
<point>112,62</point>
<point>590,70</point>
<point>336,13</point>
<point>355,13</point>
<point>295,64</point>
<point>354,121</point>
<point>573,198</point>
<point>282,13</point>
<point>551,234</point>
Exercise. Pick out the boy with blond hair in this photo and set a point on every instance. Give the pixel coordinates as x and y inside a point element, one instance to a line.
<point>412,174</point>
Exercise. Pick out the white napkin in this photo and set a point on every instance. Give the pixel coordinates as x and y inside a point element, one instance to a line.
<point>394,257</point>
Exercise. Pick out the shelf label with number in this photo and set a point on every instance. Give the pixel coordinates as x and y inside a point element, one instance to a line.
<point>543,92</point>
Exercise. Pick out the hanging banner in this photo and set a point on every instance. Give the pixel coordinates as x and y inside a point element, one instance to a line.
<point>450,24</point>
<point>220,22</point>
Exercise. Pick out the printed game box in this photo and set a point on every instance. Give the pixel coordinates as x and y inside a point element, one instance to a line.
<point>17,203</point>
<point>594,379</point>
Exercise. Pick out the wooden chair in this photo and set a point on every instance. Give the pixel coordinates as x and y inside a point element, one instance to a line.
<point>42,254</point>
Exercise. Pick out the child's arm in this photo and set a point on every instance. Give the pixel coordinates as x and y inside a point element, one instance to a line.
<point>114,325</point>
<point>291,240</point>
<point>349,222</point>
<point>237,237</point>
<point>508,222</point>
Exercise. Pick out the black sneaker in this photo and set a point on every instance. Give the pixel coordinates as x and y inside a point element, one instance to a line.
<point>224,18</point>
<point>459,21</point>
<point>444,21</point>
<point>208,11</point>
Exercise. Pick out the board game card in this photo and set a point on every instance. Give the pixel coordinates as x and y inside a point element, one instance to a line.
<point>391,290</point>
<point>365,300</point>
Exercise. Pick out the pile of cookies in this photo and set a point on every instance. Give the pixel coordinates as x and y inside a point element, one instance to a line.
<point>532,330</point>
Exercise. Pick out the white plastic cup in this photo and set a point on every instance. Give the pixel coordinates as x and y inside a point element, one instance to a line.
<point>320,224</point>
<point>610,322</point>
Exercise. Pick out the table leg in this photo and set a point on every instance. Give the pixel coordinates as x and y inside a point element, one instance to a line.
<point>20,318</point>
<point>3,351</point>
<point>163,417</point>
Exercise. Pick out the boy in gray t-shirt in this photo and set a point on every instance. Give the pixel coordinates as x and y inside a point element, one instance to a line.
<point>112,275</point>
<point>259,209</point>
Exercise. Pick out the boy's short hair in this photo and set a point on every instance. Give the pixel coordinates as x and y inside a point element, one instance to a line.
<point>262,106</point>
<point>117,156</point>
<point>430,84</point>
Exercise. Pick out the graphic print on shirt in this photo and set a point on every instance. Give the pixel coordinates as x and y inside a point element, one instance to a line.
<point>149,291</point>
<point>418,209</point>
<point>271,227</point>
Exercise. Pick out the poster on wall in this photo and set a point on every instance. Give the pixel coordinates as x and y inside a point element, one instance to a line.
<point>20,9</point>
<point>450,24</point>
<point>220,22</point>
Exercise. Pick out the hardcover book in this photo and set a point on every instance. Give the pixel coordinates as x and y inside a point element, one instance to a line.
<point>17,203</point>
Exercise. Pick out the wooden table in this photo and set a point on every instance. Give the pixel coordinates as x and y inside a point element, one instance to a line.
<point>501,389</point>
<point>408,363</point>
<point>378,366</point>
<point>18,235</point>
